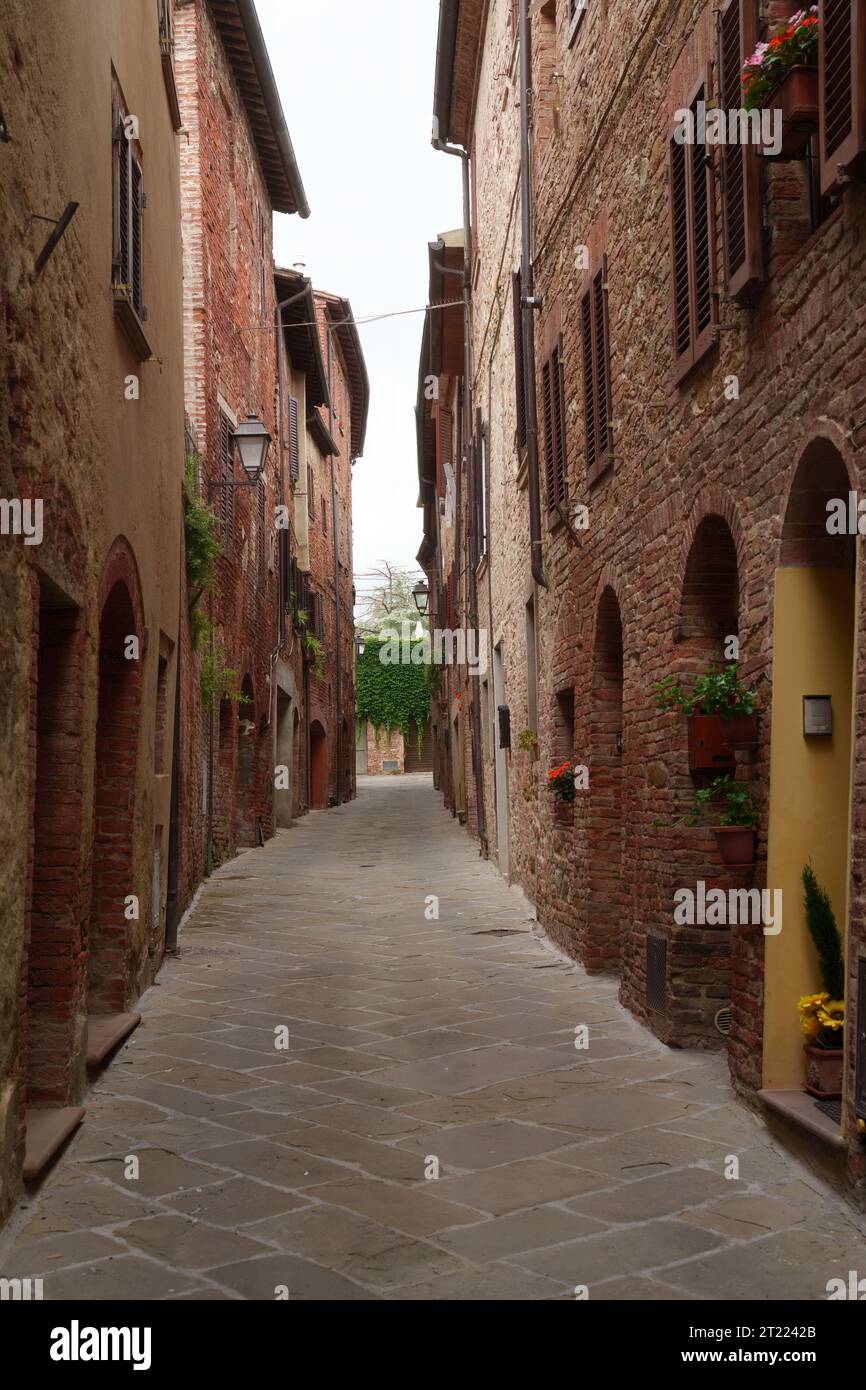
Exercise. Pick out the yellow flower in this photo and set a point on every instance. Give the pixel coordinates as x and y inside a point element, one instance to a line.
<point>828,1021</point>
<point>810,1002</point>
<point>811,1027</point>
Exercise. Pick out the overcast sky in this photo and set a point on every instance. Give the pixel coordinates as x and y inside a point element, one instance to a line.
<point>356,82</point>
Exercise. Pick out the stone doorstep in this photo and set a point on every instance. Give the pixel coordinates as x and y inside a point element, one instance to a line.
<point>47,1131</point>
<point>799,1109</point>
<point>105,1032</point>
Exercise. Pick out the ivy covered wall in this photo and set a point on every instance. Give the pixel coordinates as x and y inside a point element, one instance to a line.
<point>390,696</point>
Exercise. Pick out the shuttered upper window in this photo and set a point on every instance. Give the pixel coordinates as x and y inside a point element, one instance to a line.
<point>842,87</point>
<point>294,448</point>
<point>519,371</point>
<point>595,365</point>
<point>127,256</point>
<point>693,233</point>
<point>742,183</point>
<point>226,475</point>
<point>553,417</point>
<point>445,451</point>
<point>260,533</point>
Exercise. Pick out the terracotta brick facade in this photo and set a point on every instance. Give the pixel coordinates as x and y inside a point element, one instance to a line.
<point>710,485</point>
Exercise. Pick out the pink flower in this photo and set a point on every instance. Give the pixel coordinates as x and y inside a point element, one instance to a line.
<point>757,57</point>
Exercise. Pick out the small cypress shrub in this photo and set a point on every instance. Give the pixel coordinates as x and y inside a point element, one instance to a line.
<point>823,930</point>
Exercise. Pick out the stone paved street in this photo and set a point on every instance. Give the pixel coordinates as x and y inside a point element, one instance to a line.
<point>409,1039</point>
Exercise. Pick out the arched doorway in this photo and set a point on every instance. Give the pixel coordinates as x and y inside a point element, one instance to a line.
<point>285,759</point>
<point>245,796</point>
<point>318,766</point>
<point>606,907</point>
<point>114,801</point>
<point>810,774</point>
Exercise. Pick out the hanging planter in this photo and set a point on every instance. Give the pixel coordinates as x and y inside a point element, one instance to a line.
<point>797,98</point>
<point>740,731</point>
<point>736,845</point>
<point>782,74</point>
<point>707,745</point>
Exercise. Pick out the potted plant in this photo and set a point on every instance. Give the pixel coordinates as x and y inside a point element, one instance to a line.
<point>822,1016</point>
<point>784,73</point>
<point>528,741</point>
<point>735,829</point>
<point>720,711</point>
<point>560,780</point>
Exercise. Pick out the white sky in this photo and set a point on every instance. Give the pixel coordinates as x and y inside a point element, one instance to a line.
<point>356,83</point>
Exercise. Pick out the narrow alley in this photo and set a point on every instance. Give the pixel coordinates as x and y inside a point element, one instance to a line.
<point>322,1042</point>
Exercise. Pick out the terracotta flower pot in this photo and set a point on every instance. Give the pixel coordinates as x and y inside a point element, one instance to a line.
<point>823,1071</point>
<point>740,731</point>
<point>797,98</point>
<point>736,845</point>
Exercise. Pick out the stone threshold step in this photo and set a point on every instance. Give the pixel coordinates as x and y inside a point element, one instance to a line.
<point>105,1032</point>
<point>800,1109</point>
<point>47,1131</point>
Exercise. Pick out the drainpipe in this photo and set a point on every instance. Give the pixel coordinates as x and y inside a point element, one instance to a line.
<point>528,304</point>
<point>171,902</point>
<point>468,418</point>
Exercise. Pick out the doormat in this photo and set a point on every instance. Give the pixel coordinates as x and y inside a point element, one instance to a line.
<point>831,1108</point>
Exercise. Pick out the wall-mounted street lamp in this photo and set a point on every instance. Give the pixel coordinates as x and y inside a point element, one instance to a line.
<point>421,595</point>
<point>360,644</point>
<point>252,440</point>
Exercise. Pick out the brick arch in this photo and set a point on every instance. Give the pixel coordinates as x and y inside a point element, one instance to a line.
<point>713,501</point>
<point>606,907</point>
<point>823,470</point>
<point>115,767</point>
<point>709,599</point>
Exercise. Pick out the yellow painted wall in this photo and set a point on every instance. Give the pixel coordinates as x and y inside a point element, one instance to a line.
<point>810,781</point>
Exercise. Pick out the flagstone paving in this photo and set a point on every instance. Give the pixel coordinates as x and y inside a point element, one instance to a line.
<point>430,1130</point>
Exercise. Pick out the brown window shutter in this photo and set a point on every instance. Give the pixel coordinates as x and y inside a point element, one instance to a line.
<point>137,231</point>
<point>694,305</point>
<point>553,409</point>
<point>226,475</point>
<point>680,255</point>
<point>445,452</point>
<point>595,361</point>
<point>558,425</point>
<point>519,371</point>
<point>294,449</point>
<point>841,87</point>
<point>587,361</point>
<point>311,497</point>
<point>120,237</point>
<point>742,182</point>
<point>260,537</point>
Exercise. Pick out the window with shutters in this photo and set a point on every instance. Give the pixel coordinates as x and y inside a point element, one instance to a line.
<point>519,370</point>
<point>166,45</point>
<point>294,445</point>
<point>694,306</point>
<point>513,17</point>
<point>595,365</point>
<point>553,424</point>
<point>226,475</point>
<point>481,484</point>
<point>742,179</point>
<point>311,496</point>
<point>324,518</point>
<point>128,205</point>
<point>260,533</point>
<point>262,279</point>
<point>445,450</point>
<point>841,89</point>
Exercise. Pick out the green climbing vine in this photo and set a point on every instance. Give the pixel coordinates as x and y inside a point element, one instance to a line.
<point>203,544</point>
<point>391,696</point>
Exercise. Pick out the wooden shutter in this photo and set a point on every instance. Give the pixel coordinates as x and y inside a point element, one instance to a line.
<point>136,214</point>
<point>120,273</point>
<point>445,452</point>
<point>226,474</point>
<point>513,17</point>
<point>742,182</point>
<point>519,370</point>
<point>311,498</point>
<point>694,306</point>
<point>294,450</point>
<point>553,410</point>
<point>260,537</point>
<point>595,363</point>
<point>841,87</point>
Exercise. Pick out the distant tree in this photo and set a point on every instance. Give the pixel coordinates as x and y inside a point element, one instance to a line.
<point>388,601</point>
